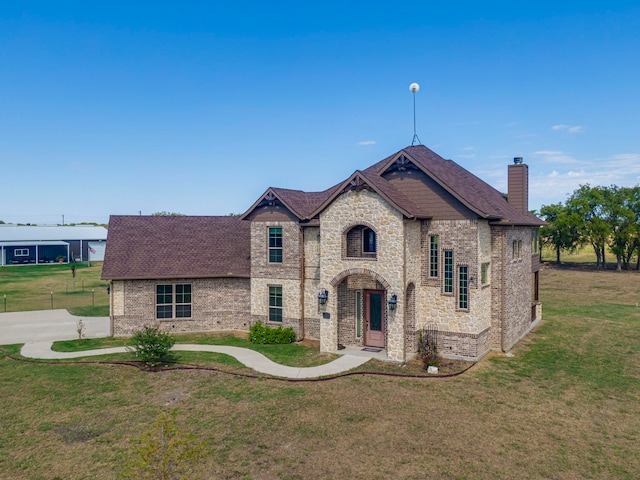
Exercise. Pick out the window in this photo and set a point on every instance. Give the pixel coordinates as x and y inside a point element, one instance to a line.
<point>173,301</point>
<point>360,241</point>
<point>517,249</point>
<point>448,271</point>
<point>463,287</point>
<point>275,245</point>
<point>484,273</point>
<point>433,256</point>
<point>275,303</point>
<point>535,240</point>
<point>21,252</point>
<point>368,241</point>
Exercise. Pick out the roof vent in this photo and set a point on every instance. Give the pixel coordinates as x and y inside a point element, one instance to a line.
<point>517,160</point>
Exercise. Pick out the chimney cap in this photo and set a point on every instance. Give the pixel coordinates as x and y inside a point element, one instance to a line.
<point>517,160</point>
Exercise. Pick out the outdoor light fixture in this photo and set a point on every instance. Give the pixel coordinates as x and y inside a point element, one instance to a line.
<point>323,296</point>
<point>393,301</point>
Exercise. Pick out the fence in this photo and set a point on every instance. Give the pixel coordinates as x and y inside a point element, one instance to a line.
<point>89,296</point>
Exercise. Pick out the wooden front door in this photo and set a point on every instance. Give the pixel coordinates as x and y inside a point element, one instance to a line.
<point>374,317</point>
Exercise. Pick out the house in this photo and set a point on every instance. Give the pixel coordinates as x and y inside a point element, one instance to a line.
<point>412,242</point>
<point>21,245</point>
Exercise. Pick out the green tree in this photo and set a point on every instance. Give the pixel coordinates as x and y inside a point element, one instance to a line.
<point>561,231</point>
<point>588,204</point>
<point>621,213</point>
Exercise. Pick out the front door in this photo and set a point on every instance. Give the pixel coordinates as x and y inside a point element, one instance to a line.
<point>374,317</point>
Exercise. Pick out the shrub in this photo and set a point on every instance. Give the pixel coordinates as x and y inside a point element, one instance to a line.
<point>164,452</point>
<point>151,345</point>
<point>263,334</point>
<point>428,351</point>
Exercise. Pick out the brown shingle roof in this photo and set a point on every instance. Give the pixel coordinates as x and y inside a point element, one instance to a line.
<point>176,247</point>
<point>473,192</point>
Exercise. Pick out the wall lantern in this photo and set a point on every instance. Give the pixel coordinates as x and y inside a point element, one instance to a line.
<point>393,302</point>
<point>323,296</point>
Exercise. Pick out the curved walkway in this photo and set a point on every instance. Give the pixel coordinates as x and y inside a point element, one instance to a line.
<point>39,329</point>
<point>250,358</point>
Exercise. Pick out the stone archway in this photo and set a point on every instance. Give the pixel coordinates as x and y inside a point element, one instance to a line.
<point>353,290</point>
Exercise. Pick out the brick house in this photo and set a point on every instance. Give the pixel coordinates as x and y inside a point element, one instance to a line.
<point>412,242</point>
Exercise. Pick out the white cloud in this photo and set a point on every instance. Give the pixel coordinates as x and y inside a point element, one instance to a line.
<point>547,187</point>
<point>555,156</point>
<point>367,142</point>
<point>568,128</point>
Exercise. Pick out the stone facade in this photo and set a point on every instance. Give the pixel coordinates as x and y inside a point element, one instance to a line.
<point>326,256</point>
<point>459,272</point>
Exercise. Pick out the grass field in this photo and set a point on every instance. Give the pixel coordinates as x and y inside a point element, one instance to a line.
<point>565,406</point>
<point>41,287</point>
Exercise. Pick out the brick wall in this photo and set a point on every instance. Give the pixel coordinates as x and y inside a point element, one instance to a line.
<point>217,304</point>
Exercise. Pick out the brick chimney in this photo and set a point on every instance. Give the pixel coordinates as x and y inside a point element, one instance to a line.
<point>518,185</point>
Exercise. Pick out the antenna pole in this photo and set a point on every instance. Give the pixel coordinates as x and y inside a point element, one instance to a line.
<point>414,87</point>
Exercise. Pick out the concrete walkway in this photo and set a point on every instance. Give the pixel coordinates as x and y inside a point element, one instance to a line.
<point>38,330</point>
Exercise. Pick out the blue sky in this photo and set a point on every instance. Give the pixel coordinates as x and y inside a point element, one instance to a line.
<point>198,107</point>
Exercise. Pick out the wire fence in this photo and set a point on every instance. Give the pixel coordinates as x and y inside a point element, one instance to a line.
<point>71,297</point>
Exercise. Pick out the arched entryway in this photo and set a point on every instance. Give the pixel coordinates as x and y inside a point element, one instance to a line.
<point>361,308</point>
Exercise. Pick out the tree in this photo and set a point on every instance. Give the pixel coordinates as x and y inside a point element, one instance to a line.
<point>588,204</point>
<point>167,214</point>
<point>622,214</point>
<point>562,231</point>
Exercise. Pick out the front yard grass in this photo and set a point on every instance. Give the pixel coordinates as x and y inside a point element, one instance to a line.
<point>38,287</point>
<point>565,406</point>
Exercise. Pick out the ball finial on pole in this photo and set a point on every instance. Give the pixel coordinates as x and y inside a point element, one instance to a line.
<point>413,88</point>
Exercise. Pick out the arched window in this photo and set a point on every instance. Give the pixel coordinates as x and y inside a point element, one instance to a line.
<point>368,241</point>
<point>360,242</point>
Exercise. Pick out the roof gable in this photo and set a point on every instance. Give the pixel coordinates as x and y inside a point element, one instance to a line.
<point>465,190</point>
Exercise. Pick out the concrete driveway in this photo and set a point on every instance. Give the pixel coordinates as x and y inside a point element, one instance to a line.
<point>48,325</point>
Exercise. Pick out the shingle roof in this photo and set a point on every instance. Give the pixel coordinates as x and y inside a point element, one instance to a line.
<point>171,247</point>
<point>476,194</point>
<point>471,191</point>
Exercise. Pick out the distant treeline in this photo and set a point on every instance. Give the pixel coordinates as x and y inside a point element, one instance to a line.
<point>598,216</point>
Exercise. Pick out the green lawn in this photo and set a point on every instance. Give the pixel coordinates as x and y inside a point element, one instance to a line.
<point>565,406</point>
<point>41,287</point>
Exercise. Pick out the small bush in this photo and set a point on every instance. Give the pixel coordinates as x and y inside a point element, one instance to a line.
<point>428,351</point>
<point>263,334</point>
<point>151,345</point>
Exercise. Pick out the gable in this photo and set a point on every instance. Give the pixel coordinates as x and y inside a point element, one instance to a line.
<point>431,199</point>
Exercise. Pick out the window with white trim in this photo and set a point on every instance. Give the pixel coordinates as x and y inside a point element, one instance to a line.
<point>21,252</point>
<point>173,301</point>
